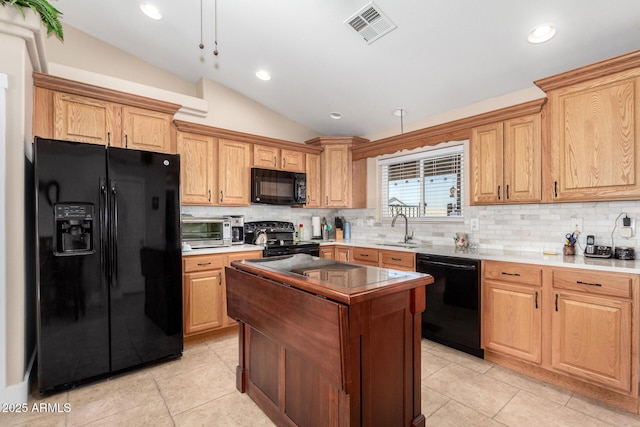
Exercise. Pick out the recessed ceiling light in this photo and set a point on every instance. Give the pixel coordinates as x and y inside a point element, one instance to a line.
<point>151,11</point>
<point>399,112</point>
<point>335,115</point>
<point>263,75</point>
<point>541,33</point>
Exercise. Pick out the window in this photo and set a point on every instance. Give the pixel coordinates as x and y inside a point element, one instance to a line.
<point>423,185</point>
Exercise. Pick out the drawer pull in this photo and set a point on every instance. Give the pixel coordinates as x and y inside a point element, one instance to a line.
<point>579,282</point>
<point>396,259</point>
<point>202,264</point>
<point>511,274</point>
<point>364,255</point>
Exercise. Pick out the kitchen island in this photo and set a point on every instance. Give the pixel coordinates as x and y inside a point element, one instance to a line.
<point>328,343</point>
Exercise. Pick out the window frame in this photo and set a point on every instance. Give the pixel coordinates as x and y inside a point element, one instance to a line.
<point>423,153</point>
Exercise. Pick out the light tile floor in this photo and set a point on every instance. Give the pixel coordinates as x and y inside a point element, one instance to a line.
<point>199,390</point>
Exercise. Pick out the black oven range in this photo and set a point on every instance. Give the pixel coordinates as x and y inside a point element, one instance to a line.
<point>277,237</point>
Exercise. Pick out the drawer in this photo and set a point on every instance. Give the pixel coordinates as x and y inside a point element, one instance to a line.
<point>522,274</point>
<point>398,260</point>
<point>202,262</point>
<point>616,285</point>
<point>367,255</point>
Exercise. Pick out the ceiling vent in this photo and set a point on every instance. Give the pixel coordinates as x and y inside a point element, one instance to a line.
<point>370,22</point>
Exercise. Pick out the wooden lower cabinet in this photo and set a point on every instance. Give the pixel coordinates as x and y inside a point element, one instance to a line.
<point>342,253</point>
<point>592,321</point>
<point>204,291</point>
<point>512,310</point>
<point>397,260</point>
<point>327,252</point>
<point>573,327</point>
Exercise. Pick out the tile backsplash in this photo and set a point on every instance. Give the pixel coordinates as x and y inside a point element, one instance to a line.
<point>533,227</point>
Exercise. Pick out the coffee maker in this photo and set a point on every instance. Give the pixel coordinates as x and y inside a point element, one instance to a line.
<point>237,229</point>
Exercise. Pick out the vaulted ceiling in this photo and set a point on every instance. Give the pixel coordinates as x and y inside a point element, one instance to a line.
<point>443,55</point>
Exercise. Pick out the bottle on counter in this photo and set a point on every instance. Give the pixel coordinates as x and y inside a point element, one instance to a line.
<point>301,232</point>
<point>347,231</point>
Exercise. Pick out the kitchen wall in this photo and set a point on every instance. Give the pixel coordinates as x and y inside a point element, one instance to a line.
<point>534,227</point>
<point>227,108</point>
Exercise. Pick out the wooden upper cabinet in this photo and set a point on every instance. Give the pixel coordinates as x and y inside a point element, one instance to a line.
<point>486,146</point>
<point>336,176</point>
<point>197,168</point>
<point>506,162</point>
<point>595,145</point>
<point>74,111</point>
<point>314,184</point>
<point>234,175</point>
<point>269,157</point>
<point>146,130</point>
<point>82,119</point>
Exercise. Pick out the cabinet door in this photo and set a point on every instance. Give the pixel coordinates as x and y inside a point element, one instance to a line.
<point>336,160</point>
<point>522,159</point>
<point>146,130</point>
<point>595,141</point>
<point>203,299</point>
<point>343,254</point>
<point>265,157</point>
<point>292,161</point>
<point>82,119</point>
<point>486,164</point>
<point>229,258</point>
<point>234,176</point>
<point>196,168</point>
<point>592,339</point>
<point>512,320</point>
<point>326,253</point>
<point>314,184</point>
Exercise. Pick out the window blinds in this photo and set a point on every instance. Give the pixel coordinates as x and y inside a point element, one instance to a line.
<point>423,185</point>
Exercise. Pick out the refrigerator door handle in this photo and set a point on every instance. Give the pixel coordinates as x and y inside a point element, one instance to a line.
<point>102,209</point>
<point>114,234</point>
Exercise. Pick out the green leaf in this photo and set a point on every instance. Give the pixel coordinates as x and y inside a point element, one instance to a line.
<point>49,15</point>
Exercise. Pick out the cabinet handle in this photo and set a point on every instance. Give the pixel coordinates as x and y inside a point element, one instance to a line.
<point>326,200</point>
<point>555,188</point>
<point>498,192</point>
<point>108,139</point>
<point>536,299</point>
<point>507,191</point>
<point>221,196</point>
<point>275,162</point>
<point>511,274</point>
<point>126,141</point>
<point>396,259</point>
<point>219,279</point>
<point>579,282</point>
<point>284,162</point>
<point>209,195</point>
<point>202,264</point>
<point>556,302</point>
<point>364,255</point>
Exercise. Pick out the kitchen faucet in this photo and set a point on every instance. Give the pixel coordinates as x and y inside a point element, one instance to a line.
<point>406,226</point>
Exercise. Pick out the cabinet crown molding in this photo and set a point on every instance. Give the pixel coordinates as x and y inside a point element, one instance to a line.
<point>604,68</point>
<point>60,84</point>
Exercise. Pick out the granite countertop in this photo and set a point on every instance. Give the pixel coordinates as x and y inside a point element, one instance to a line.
<point>222,250</point>
<point>528,257</point>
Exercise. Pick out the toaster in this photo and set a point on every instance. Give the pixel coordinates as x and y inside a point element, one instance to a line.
<point>624,252</point>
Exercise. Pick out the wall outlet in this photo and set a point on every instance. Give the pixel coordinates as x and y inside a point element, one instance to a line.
<point>627,231</point>
<point>475,224</point>
<point>576,225</point>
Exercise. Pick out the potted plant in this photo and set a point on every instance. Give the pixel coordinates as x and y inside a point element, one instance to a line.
<point>48,14</point>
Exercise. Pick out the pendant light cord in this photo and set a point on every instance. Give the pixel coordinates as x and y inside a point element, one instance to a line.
<point>215,28</point>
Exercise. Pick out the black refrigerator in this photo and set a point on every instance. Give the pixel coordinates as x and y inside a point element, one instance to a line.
<point>109,272</point>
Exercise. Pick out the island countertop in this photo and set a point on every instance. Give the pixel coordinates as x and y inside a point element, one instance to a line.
<point>342,282</point>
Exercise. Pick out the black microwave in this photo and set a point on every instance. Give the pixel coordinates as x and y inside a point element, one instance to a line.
<point>275,187</point>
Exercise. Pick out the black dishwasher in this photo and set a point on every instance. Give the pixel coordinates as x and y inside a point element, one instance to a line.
<point>452,315</point>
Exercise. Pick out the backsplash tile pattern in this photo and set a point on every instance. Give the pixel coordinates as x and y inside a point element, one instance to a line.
<point>532,227</point>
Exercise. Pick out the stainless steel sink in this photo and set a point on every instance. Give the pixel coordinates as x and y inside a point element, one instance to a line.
<point>399,245</point>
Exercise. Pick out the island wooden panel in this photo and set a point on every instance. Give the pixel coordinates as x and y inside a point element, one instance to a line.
<point>309,361</point>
